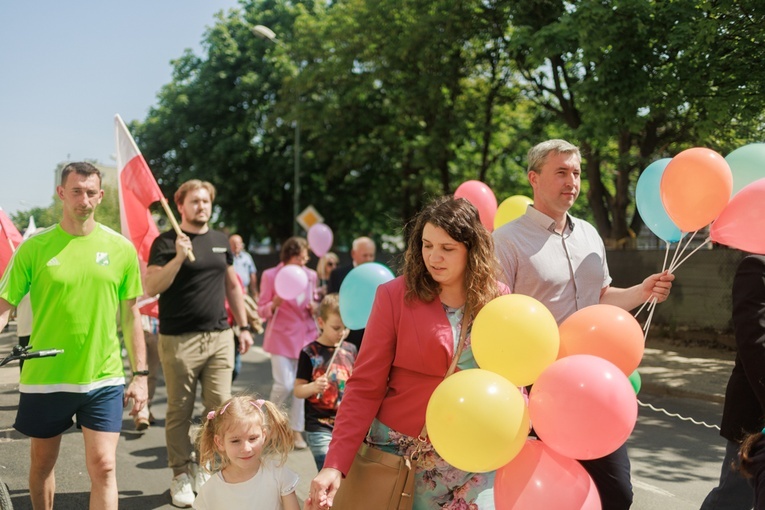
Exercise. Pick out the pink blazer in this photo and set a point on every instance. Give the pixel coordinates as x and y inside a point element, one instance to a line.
<point>292,326</point>
<point>406,351</point>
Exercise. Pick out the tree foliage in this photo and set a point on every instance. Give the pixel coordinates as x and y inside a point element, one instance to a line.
<point>399,100</point>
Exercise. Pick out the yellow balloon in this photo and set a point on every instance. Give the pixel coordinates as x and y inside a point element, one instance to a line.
<point>477,420</point>
<point>511,208</point>
<point>515,336</point>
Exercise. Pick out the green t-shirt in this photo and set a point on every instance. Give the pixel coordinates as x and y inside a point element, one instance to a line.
<point>75,284</point>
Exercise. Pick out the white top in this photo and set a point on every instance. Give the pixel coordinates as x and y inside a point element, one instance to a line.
<point>263,491</point>
<point>564,272</point>
<point>24,317</point>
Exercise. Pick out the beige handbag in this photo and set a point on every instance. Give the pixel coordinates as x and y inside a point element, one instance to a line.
<point>380,480</point>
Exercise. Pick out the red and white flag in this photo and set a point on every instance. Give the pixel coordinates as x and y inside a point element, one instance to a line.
<point>10,239</point>
<point>138,189</point>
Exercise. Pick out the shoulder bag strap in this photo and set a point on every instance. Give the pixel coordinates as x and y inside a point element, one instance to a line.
<point>457,353</point>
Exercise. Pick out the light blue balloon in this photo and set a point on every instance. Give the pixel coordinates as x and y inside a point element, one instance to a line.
<point>650,206</point>
<point>747,164</point>
<point>357,293</point>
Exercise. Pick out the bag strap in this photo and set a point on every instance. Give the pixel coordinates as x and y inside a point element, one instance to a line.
<point>457,353</point>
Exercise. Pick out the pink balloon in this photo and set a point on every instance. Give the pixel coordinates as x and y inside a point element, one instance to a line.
<point>740,224</point>
<point>291,281</point>
<point>583,407</point>
<point>593,498</point>
<point>320,239</point>
<point>538,478</point>
<point>606,331</point>
<point>482,197</point>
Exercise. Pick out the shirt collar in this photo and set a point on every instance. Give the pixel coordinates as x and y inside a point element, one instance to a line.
<point>548,223</point>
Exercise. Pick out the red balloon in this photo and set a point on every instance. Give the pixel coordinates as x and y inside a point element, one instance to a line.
<point>740,224</point>
<point>583,407</point>
<point>482,197</point>
<point>695,188</point>
<point>539,478</point>
<point>606,331</point>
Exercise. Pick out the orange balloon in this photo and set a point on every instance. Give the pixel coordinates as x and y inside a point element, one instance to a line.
<point>606,331</point>
<point>695,188</point>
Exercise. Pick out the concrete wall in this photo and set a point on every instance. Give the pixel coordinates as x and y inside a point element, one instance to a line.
<point>701,293</point>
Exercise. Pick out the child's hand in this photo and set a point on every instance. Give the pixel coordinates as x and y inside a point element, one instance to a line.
<point>322,383</point>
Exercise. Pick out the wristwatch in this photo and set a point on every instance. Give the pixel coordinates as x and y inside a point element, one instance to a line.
<point>140,372</point>
<point>246,328</point>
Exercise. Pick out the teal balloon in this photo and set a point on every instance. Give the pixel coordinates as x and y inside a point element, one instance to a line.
<point>650,206</point>
<point>636,381</point>
<point>747,164</point>
<point>357,293</point>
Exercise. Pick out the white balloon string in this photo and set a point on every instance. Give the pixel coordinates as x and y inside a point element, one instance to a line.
<point>666,254</point>
<point>706,241</point>
<point>663,268</point>
<point>647,326</point>
<point>641,308</point>
<point>679,252</point>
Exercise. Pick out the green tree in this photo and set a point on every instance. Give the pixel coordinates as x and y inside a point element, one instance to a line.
<point>632,83</point>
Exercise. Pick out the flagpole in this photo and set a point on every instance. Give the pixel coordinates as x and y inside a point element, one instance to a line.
<point>176,227</point>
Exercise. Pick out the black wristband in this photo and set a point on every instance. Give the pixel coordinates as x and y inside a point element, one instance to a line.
<point>140,372</point>
<point>246,328</point>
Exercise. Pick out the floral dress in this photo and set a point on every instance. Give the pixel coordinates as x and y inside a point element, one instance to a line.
<point>438,485</point>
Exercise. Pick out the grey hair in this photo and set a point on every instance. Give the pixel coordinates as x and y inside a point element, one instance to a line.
<point>538,154</point>
<point>362,240</point>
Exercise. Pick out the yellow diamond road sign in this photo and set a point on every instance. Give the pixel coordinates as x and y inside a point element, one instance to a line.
<point>309,217</point>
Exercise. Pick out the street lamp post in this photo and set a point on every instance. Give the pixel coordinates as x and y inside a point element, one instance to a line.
<point>264,32</point>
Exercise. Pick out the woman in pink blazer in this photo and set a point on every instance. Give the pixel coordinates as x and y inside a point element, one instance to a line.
<point>408,344</point>
<point>290,326</point>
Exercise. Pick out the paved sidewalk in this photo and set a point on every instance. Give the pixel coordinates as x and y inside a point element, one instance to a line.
<point>678,369</point>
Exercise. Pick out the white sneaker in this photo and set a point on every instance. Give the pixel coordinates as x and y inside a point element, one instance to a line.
<point>180,491</point>
<point>199,477</point>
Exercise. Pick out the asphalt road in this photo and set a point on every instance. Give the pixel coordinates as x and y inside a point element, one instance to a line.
<point>674,462</point>
<point>143,476</point>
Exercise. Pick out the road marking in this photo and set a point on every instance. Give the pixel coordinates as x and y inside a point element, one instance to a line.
<point>651,488</point>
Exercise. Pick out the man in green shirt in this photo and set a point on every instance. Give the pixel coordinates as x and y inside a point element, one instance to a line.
<point>78,273</point>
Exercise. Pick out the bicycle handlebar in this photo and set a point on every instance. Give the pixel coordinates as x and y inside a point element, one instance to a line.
<point>23,353</point>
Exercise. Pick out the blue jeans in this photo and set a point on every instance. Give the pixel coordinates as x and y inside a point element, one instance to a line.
<point>318,443</point>
<point>734,492</point>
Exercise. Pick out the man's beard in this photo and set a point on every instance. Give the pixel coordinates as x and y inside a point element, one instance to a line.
<point>197,223</point>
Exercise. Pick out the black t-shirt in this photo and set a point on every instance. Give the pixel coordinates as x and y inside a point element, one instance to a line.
<point>320,410</point>
<point>195,301</point>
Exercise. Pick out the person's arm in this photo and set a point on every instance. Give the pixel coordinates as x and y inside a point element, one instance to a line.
<point>132,333</point>
<point>253,287</point>
<point>236,303</point>
<point>5,312</point>
<point>159,278</point>
<point>655,286</point>
<point>305,389</point>
<point>749,322</point>
<point>268,301</point>
<point>290,502</point>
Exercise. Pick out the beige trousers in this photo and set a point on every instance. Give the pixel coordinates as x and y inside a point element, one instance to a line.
<point>206,357</point>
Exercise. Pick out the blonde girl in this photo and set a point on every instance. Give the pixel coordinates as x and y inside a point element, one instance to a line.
<point>245,443</point>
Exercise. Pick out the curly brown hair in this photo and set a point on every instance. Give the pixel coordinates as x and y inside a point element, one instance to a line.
<point>459,219</point>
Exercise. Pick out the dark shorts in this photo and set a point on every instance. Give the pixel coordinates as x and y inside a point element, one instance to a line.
<point>46,415</point>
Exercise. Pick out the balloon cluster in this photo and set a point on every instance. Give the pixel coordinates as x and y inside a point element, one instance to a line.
<point>478,420</point>
<point>698,187</point>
